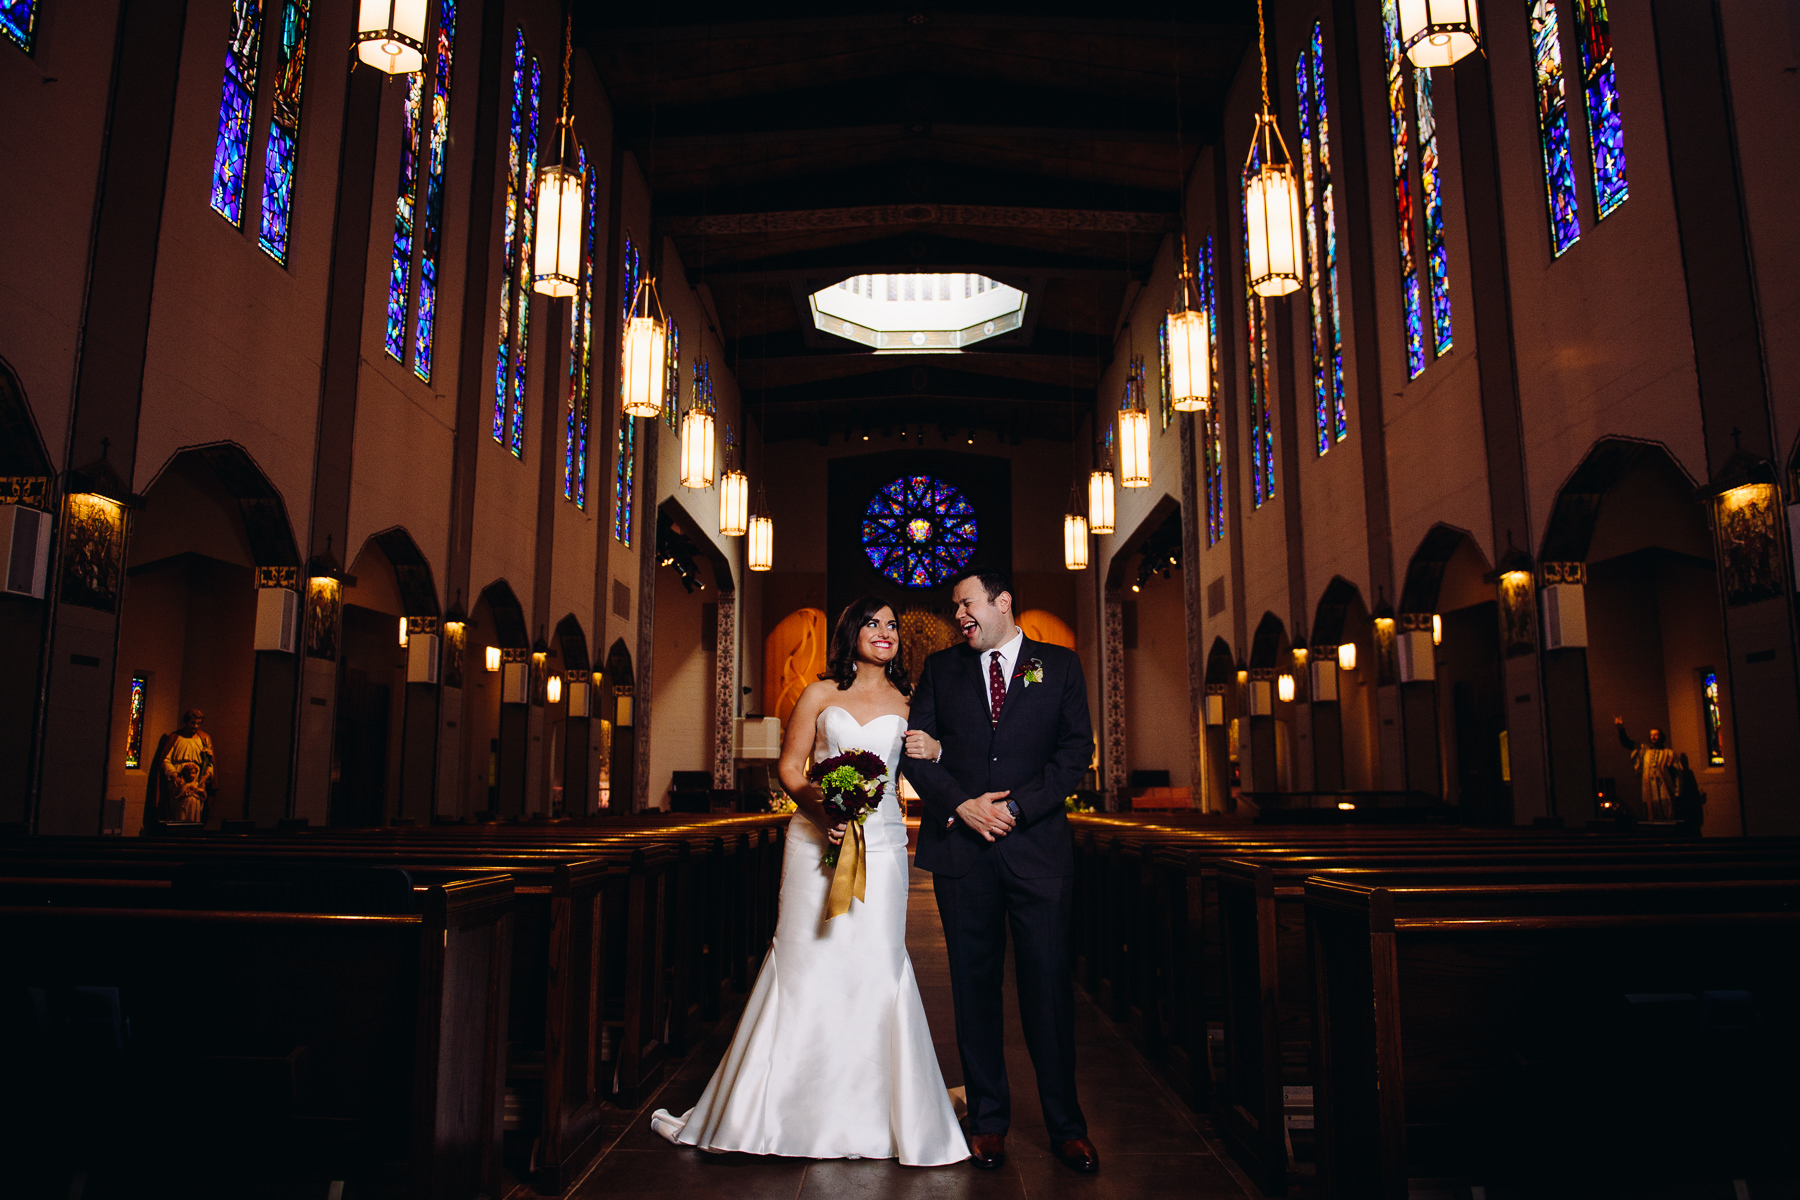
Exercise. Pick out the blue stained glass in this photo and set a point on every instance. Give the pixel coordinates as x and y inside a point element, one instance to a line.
<point>1437,255</point>
<point>1315,294</point>
<point>1403,201</point>
<point>509,244</point>
<point>425,318</point>
<point>919,531</point>
<point>400,269</point>
<point>672,378</point>
<point>1167,407</point>
<point>575,437</point>
<point>527,224</point>
<point>1213,446</point>
<point>1553,128</point>
<point>1262,438</point>
<point>284,130</point>
<point>624,480</point>
<point>1606,130</point>
<point>18,21</point>
<point>1328,210</point>
<point>231,153</point>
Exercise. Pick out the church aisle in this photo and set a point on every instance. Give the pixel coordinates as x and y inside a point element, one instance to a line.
<point>1148,1141</point>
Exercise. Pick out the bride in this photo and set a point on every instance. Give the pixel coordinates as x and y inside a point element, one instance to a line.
<point>833,1057</point>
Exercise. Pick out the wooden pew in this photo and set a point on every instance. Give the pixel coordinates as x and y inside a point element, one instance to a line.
<point>1481,1032</point>
<point>324,1044</point>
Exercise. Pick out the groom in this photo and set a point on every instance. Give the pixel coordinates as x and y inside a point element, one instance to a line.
<point>1011,718</point>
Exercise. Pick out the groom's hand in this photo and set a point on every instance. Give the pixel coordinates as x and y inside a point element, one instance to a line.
<point>987,815</point>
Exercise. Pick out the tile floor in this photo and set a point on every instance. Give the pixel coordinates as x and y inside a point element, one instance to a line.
<point>1149,1142</point>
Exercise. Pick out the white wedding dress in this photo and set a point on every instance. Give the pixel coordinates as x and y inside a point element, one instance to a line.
<point>833,1056</point>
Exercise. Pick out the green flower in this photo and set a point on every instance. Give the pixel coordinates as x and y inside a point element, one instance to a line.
<point>1034,673</point>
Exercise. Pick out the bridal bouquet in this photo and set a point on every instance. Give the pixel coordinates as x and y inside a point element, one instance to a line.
<point>851,785</point>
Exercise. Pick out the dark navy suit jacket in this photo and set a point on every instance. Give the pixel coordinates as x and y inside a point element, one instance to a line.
<point>1039,751</point>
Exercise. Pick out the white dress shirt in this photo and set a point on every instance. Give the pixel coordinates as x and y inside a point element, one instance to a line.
<point>1009,661</point>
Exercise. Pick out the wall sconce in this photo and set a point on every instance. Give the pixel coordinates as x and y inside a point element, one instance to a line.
<point>493,658</point>
<point>403,633</point>
<point>1243,677</point>
<point>553,690</point>
<point>1284,688</point>
<point>1437,630</point>
<point>1346,656</point>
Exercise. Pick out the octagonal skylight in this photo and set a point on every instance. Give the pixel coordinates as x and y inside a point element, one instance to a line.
<point>920,313</point>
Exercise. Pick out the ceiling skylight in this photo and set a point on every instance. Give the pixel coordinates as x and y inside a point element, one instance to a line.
<point>918,313</point>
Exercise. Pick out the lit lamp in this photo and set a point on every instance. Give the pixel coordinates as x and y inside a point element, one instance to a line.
<point>390,35</point>
<point>734,494</point>
<point>1436,33</point>
<point>1271,196</point>
<point>697,446</point>
<point>1075,537</point>
<point>1437,630</point>
<point>1346,656</point>
<point>403,633</point>
<point>1134,440</point>
<point>553,691</point>
<point>646,343</point>
<point>1102,502</point>
<point>1190,346</point>
<point>760,550</point>
<point>1284,688</point>
<point>493,659</point>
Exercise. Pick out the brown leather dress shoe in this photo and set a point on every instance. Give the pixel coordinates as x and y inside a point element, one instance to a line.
<point>1077,1154</point>
<point>987,1151</point>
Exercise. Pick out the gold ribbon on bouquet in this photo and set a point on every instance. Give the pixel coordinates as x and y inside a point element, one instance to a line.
<point>850,878</point>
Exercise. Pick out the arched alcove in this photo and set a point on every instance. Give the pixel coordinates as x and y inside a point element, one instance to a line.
<point>1218,729</point>
<point>25,468</point>
<point>495,702</point>
<point>619,749</point>
<point>213,528</point>
<point>1629,522</point>
<point>568,727</point>
<point>1265,754</point>
<point>1345,719</point>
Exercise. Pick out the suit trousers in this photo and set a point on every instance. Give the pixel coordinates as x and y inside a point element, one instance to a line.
<point>976,910</point>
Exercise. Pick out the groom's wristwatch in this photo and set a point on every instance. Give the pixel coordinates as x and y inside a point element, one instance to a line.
<point>1012,806</point>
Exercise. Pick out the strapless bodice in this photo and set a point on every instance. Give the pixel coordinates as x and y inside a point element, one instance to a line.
<point>837,731</point>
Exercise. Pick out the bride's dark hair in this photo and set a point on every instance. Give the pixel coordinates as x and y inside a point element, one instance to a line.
<point>840,663</point>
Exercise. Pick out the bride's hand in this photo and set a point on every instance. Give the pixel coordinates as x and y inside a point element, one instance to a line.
<point>833,833</point>
<point>920,744</point>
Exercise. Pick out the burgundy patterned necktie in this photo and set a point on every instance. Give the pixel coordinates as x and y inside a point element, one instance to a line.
<point>996,688</point>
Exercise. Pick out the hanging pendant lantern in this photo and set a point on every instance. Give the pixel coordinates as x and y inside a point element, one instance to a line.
<point>1134,439</point>
<point>1272,212</point>
<point>646,343</point>
<point>697,444</point>
<point>390,35</point>
<point>1102,505</point>
<point>556,256</point>
<point>1436,33</point>
<point>1189,345</point>
<point>759,548</point>
<point>1271,197</point>
<point>734,503</point>
<point>1075,534</point>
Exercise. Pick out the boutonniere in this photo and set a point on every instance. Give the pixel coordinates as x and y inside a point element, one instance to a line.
<point>1033,672</point>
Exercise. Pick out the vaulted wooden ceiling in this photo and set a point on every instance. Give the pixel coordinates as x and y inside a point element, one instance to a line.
<point>790,146</point>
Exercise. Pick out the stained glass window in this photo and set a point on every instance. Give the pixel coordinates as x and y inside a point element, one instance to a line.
<point>1437,255</point>
<point>1261,427</point>
<point>1553,128</point>
<point>581,357</point>
<point>919,531</point>
<point>1331,422</point>
<point>400,272</point>
<point>231,153</point>
<point>515,284</point>
<point>1606,132</point>
<point>1715,725</point>
<point>18,19</point>
<point>1398,137</point>
<point>672,377</point>
<point>624,480</point>
<point>284,130</point>
<point>1213,447</point>
<point>1167,404</point>
<point>703,389</point>
<point>134,723</point>
<point>425,317</point>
